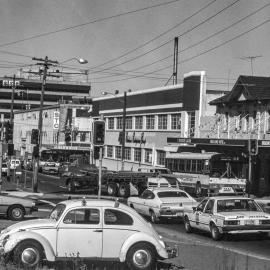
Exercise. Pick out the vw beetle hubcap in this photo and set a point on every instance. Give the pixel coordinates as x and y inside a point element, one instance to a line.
<point>29,256</point>
<point>141,258</point>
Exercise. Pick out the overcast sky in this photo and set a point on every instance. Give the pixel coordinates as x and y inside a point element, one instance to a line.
<point>129,43</point>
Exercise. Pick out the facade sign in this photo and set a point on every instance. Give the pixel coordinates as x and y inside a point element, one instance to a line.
<point>9,83</point>
<point>56,120</point>
<point>227,142</point>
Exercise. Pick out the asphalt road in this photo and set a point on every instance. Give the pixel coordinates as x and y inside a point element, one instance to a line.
<point>196,250</point>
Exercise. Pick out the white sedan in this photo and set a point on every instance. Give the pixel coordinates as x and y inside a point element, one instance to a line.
<point>158,203</point>
<point>227,215</point>
<point>89,229</point>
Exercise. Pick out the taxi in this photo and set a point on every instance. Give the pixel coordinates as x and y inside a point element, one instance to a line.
<point>98,230</point>
<point>221,215</point>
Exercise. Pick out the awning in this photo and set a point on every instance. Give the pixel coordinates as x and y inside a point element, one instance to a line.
<point>177,148</point>
<point>188,155</point>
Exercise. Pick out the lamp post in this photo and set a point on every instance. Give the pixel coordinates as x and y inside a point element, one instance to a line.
<point>79,60</point>
<point>45,63</point>
<point>123,141</point>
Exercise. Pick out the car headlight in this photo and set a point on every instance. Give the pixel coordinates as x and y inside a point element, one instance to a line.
<point>33,204</point>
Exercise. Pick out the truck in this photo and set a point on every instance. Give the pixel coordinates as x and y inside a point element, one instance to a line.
<point>121,183</point>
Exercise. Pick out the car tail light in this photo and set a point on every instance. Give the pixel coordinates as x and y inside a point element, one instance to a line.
<point>231,222</point>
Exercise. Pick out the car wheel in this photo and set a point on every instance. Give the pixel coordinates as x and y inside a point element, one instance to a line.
<point>28,255</point>
<point>153,217</point>
<point>124,190</point>
<point>16,212</point>
<point>187,225</point>
<point>141,256</point>
<point>216,235</point>
<point>112,189</point>
<point>70,186</point>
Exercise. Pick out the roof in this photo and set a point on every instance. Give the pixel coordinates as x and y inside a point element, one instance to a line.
<point>91,202</point>
<point>246,88</point>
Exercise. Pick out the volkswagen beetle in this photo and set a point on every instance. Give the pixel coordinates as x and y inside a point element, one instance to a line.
<point>88,229</point>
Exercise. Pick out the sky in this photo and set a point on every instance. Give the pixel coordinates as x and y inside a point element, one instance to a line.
<point>129,44</point>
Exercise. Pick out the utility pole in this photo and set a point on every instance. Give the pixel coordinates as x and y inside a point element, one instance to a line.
<point>124,132</point>
<point>251,59</point>
<point>45,63</point>
<point>1,150</point>
<point>175,61</point>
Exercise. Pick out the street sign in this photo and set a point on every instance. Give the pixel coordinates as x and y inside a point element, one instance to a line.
<point>56,120</point>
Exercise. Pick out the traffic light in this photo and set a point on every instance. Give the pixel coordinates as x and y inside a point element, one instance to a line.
<point>10,149</point>
<point>67,137</point>
<point>253,147</point>
<point>35,136</point>
<point>8,131</point>
<point>96,152</point>
<point>99,132</point>
<point>36,151</point>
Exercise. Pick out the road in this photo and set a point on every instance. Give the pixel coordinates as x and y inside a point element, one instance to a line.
<point>196,250</point>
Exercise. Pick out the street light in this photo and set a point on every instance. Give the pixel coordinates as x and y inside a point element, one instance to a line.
<point>79,60</point>
<point>123,141</point>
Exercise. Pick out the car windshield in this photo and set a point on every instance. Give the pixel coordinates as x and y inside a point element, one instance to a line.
<point>236,205</point>
<point>171,194</point>
<point>57,211</point>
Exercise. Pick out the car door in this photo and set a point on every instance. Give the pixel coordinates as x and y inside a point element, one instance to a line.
<point>148,202</point>
<point>197,215</point>
<point>80,233</point>
<point>206,215</point>
<point>139,202</point>
<point>118,226</point>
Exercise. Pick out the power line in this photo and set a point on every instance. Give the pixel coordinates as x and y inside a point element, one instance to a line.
<point>197,55</point>
<point>87,23</point>
<point>197,43</point>
<point>167,42</point>
<point>153,39</point>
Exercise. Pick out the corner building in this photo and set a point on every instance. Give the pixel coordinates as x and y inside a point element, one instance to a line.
<point>152,115</point>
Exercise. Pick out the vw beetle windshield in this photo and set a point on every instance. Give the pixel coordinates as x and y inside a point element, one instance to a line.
<point>57,211</point>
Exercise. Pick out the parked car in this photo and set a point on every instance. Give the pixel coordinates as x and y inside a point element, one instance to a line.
<point>50,168</point>
<point>227,215</point>
<point>158,203</point>
<point>4,169</point>
<point>97,229</point>
<point>15,208</point>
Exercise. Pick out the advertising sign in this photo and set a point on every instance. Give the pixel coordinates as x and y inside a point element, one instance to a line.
<point>55,120</point>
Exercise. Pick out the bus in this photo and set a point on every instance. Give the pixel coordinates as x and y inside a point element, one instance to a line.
<point>207,172</point>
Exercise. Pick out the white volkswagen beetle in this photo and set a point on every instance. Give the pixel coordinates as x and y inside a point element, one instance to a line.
<point>90,229</point>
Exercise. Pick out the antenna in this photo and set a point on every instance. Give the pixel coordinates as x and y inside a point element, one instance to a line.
<point>250,58</point>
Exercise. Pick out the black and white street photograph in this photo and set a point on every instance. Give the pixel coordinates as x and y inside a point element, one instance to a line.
<point>135,135</point>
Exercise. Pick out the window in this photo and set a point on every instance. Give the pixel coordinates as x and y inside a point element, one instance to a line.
<point>161,157</point>
<point>109,151</point>
<point>118,152</point>
<point>148,155</point>
<point>150,122</point>
<point>119,123</point>
<point>82,136</point>
<point>137,154</point>
<point>147,194</point>
<point>116,217</point>
<point>172,194</point>
<point>129,122</point>
<point>138,122</point>
<point>201,206</point>
<point>176,121</point>
<point>82,216</point>
<point>127,153</point>
<point>209,207</point>
<point>111,123</point>
<point>162,121</point>
<point>191,124</point>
